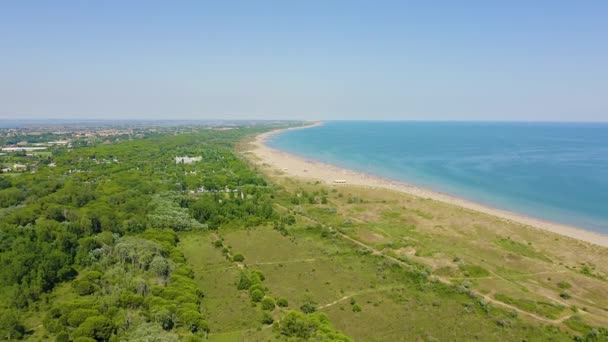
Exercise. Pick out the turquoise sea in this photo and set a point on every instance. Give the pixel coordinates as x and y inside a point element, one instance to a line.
<point>552,171</point>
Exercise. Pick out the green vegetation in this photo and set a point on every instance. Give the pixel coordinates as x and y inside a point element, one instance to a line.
<point>139,247</point>
<point>545,309</point>
<point>473,271</point>
<point>308,327</point>
<point>522,249</point>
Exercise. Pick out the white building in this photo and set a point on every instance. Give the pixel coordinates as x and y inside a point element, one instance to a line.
<point>187,160</point>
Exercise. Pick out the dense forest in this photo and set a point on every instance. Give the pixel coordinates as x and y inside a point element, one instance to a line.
<point>104,221</point>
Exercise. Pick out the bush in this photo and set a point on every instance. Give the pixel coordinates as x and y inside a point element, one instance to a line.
<point>218,243</point>
<point>62,337</point>
<point>256,287</point>
<point>356,307</point>
<point>282,302</point>
<point>244,282</point>
<point>267,318</point>
<point>193,321</point>
<point>78,316</point>
<point>565,295</point>
<point>256,295</point>
<point>84,287</point>
<point>290,220</point>
<point>268,303</point>
<point>164,318</point>
<point>308,308</point>
<point>238,258</point>
<point>160,266</point>
<point>259,275</point>
<point>84,339</point>
<point>96,327</point>
<point>564,285</point>
<point>295,324</point>
<point>10,325</point>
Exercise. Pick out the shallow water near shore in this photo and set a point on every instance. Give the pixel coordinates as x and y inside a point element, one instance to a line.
<point>551,171</point>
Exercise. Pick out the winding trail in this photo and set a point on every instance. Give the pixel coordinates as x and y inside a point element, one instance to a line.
<point>486,297</point>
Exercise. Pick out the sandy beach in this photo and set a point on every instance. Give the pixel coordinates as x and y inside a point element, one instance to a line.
<point>296,166</point>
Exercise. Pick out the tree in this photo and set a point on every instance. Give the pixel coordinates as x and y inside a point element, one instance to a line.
<point>99,328</point>
<point>296,324</point>
<point>164,318</point>
<point>84,287</point>
<point>78,316</point>
<point>159,266</point>
<point>10,325</point>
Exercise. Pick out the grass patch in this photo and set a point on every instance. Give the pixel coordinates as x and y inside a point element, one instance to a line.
<point>423,214</point>
<point>473,271</point>
<point>391,215</point>
<point>544,309</point>
<point>522,249</point>
<point>576,323</point>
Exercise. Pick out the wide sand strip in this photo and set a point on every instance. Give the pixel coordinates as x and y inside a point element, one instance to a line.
<point>297,166</point>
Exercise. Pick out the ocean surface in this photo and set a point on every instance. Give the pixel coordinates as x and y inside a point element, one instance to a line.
<point>551,171</point>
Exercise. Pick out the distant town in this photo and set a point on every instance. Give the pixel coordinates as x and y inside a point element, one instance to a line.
<point>25,145</point>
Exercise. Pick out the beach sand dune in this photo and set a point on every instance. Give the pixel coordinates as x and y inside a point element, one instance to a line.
<point>296,166</point>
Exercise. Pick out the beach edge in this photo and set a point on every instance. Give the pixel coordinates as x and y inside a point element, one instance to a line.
<point>299,167</point>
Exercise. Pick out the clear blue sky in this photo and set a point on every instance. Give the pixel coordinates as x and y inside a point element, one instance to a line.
<point>488,60</point>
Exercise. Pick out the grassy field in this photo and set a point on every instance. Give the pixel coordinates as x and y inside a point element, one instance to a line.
<point>417,269</point>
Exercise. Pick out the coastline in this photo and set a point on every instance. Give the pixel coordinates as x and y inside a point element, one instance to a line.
<point>299,167</point>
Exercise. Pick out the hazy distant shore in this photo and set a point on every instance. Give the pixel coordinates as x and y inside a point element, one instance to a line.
<point>300,167</point>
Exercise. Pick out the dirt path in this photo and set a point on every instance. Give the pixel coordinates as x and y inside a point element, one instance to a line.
<point>285,261</point>
<point>488,298</point>
<point>366,291</point>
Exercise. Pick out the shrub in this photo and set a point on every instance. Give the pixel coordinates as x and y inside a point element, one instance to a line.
<point>244,282</point>
<point>308,308</point>
<point>78,316</point>
<point>238,258</point>
<point>267,318</point>
<point>268,303</point>
<point>356,307</point>
<point>259,275</point>
<point>282,302</point>
<point>565,295</point>
<point>256,295</point>
<point>95,327</point>
<point>256,287</point>
<point>218,243</point>
<point>297,325</point>
<point>564,285</point>
<point>164,318</point>
<point>159,266</point>
<point>84,287</point>
<point>193,321</point>
<point>10,325</point>
<point>290,220</point>
<point>84,339</point>
<point>62,337</point>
